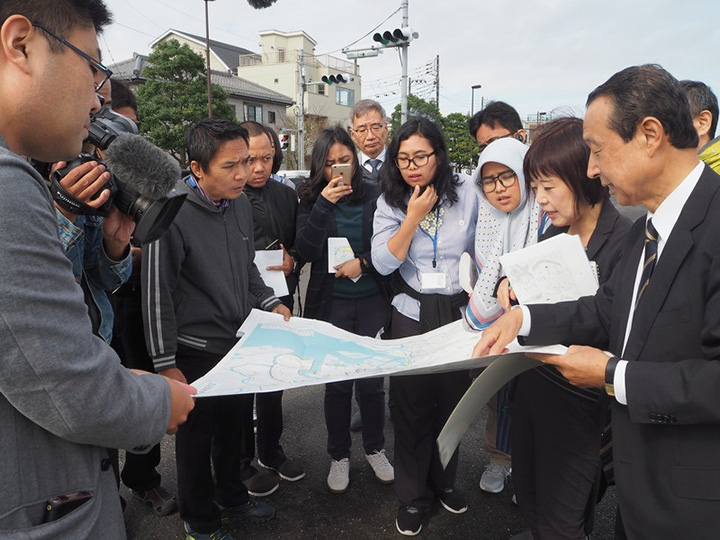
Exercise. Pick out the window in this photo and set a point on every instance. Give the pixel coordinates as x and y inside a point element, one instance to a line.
<point>253,113</point>
<point>277,81</point>
<point>281,55</point>
<point>321,89</point>
<point>345,96</point>
<point>271,117</point>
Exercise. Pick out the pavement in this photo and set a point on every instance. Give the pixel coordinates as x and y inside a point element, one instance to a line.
<point>308,510</point>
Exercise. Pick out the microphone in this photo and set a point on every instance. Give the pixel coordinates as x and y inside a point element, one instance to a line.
<point>141,165</point>
<point>260,4</point>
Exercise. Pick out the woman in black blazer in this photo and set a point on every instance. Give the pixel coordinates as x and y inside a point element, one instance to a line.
<point>557,427</point>
<point>353,298</point>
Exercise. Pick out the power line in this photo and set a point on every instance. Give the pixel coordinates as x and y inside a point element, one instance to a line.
<point>366,35</point>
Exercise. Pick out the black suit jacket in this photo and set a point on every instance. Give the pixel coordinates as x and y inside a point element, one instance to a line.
<point>667,439</point>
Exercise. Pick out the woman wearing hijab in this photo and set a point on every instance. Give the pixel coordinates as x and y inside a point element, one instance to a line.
<point>425,220</point>
<point>509,220</point>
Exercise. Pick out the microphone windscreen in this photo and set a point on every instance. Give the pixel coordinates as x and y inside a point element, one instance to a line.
<point>260,4</point>
<point>142,165</point>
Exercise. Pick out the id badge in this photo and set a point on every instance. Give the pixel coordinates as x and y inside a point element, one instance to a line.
<point>433,281</point>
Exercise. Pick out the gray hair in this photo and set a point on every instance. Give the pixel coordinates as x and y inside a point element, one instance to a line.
<point>364,106</point>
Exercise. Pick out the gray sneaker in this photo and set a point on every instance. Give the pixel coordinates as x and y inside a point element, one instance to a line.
<point>494,477</point>
<point>381,466</point>
<point>339,477</point>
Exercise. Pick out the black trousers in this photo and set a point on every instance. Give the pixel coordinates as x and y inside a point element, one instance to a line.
<point>364,317</point>
<point>422,405</point>
<point>210,440</point>
<point>556,456</point>
<point>269,430</point>
<point>140,470</point>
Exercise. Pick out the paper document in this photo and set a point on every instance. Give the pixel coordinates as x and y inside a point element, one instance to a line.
<point>272,278</point>
<point>339,251</point>
<point>276,355</point>
<point>554,270</point>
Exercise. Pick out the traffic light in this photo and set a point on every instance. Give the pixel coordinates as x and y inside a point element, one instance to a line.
<point>284,141</point>
<point>396,37</point>
<point>338,78</point>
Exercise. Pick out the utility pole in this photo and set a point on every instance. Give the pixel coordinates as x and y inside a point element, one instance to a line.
<point>437,81</point>
<point>301,113</point>
<point>207,58</point>
<point>404,64</point>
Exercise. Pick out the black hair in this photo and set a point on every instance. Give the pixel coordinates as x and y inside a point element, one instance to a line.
<point>495,113</point>
<point>640,91</point>
<point>702,98</point>
<point>204,138</point>
<point>558,149</point>
<point>392,185</point>
<point>310,188</point>
<point>122,96</point>
<point>61,17</point>
<point>278,154</point>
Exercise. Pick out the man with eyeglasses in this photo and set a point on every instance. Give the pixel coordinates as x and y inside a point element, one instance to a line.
<point>497,120</point>
<point>369,132</point>
<point>64,396</point>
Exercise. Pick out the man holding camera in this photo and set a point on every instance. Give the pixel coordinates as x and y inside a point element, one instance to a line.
<point>64,397</point>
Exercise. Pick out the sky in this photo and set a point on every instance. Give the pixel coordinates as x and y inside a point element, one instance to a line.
<point>538,56</point>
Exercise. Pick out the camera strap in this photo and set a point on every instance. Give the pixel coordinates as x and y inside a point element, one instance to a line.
<point>70,203</point>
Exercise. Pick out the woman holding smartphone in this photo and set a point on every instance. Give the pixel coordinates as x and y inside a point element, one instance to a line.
<point>354,298</point>
<point>424,221</point>
<point>557,426</point>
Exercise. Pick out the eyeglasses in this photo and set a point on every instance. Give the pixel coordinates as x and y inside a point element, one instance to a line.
<point>362,131</point>
<point>489,183</point>
<point>418,161</point>
<point>493,139</point>
<point>96,66</point>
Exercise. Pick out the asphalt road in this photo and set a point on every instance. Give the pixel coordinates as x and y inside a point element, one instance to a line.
<point>308,510</point>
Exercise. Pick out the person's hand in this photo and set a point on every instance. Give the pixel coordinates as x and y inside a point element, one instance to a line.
<point>287,265</point>
<point>173,373</point>
<point>83,182</point>
<point>117,230</point>
<point>333,192</point>
<point>419,205</point>
<point>136,256</point>
<point>349,269</point>
<point>495,338</point>
<point>582,366</point>
<point>505,294</point>
<point>283,310</point>
<point>181,403</point>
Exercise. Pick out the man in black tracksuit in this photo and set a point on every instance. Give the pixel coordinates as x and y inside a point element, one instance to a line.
<point>199,284</point>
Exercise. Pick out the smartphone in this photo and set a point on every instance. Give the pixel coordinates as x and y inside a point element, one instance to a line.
<point>62,505</point>
<point>342,169</point>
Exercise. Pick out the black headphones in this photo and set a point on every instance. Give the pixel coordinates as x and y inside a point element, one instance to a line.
<point>519,137</point>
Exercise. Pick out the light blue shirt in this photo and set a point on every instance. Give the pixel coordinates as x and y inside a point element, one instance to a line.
<point>455,236</point>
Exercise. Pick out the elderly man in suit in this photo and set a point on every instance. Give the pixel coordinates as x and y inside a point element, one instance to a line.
<point>658,316</point>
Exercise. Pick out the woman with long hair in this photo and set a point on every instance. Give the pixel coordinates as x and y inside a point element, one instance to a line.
<point>425,220</point>
<point>353,298</point>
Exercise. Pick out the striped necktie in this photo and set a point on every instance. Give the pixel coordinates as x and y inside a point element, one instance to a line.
<point>375,164</point>
<point>651,248</point>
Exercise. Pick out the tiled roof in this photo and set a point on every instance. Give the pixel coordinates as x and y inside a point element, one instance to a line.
<point>132,69</point>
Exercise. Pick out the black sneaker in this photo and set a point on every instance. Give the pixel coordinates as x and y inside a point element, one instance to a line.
<point>409,520</point>
<point>288,470</point>
<point>252,512</point>
<point>262,483</point>
<point>453,500</point>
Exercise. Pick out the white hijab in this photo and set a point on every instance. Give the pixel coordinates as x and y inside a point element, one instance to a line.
<point>500,232</point>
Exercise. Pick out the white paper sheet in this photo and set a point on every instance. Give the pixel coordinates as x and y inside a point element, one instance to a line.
<point>551,271</point>
<point>339,251</point>
<point>272,278</point>
<point>276,355</point>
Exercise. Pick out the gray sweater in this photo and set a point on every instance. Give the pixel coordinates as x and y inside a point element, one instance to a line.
<point>64,397</point>
<point>199,281</point>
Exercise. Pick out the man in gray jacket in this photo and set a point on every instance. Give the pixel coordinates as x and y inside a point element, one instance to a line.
<point>64,397</point>
<point>199,284</point>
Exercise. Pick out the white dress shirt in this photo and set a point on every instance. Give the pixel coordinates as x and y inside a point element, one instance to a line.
<point>364,159</point>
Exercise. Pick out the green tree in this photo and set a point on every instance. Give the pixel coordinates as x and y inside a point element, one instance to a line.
<point>462,148</point>
<point>416,107</point>
<point>175,96</point>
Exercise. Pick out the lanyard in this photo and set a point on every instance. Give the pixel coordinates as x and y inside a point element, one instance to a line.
<point>435,237</point>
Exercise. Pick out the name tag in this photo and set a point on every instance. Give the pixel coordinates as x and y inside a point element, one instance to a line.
<point>433,281</point>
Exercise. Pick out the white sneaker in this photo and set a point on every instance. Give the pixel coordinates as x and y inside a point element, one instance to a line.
<point>380,464</point>
<point>339,477</point>
<point>493,479</point>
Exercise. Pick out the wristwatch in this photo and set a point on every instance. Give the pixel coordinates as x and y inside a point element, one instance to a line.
<point>610,375</point>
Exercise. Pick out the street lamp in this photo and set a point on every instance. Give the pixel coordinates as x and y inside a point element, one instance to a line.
<point>472,97</point>
<point>207,57</point>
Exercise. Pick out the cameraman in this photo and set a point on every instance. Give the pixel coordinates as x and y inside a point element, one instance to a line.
<point>64,396</point>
